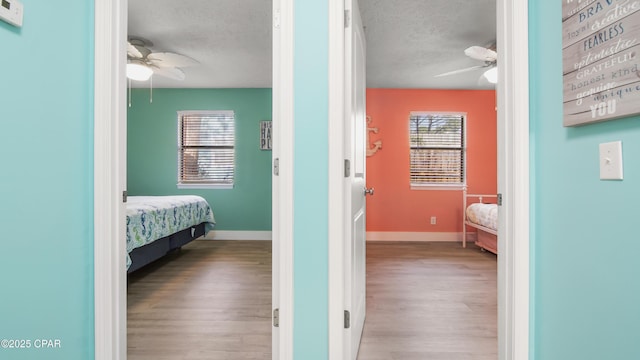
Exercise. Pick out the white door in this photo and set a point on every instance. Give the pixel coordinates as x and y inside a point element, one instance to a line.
<point>355,179</point>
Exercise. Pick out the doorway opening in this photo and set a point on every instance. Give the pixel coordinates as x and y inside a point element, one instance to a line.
<point>210,131</point>
<point>251,105</point>
<point>439,138</point>
<point>512,135</point>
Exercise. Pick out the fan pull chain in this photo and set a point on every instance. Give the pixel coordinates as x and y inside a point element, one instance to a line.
<point>151,89</point>
<point>129,81</point>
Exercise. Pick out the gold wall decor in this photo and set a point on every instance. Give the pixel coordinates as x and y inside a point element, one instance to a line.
<point>377,145</point>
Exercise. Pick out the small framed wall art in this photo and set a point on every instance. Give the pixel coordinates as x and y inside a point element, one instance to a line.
<point>265,135</point>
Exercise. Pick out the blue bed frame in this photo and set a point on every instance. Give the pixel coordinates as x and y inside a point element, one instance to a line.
<point>151,252</point>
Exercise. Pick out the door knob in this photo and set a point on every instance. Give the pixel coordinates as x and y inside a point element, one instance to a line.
<point>368,191</point>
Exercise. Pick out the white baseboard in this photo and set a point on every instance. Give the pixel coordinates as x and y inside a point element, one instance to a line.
<point>413,236</point>
<point>371,236</point>
<point>418,236</point>
<point>237,235</point>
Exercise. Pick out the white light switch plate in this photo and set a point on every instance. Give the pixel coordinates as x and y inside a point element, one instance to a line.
<point>611,161</point>
<point>11,11</point>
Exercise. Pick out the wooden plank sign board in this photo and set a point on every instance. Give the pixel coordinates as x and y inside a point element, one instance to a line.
<point>600,54</point>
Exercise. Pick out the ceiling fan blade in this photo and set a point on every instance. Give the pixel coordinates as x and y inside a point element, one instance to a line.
<point>167,59</point>
<point>481,53</point>
<point>133,51</point>
<point>169,72</point>
<point>461,70</point>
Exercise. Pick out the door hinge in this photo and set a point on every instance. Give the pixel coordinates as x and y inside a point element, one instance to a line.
<point>347,168</point>
<point>124,196</point>
<point>276,317</point>
<point>276,166</point>
<point>499,200</point>
<point>347,18</point>
<point>347,319</point>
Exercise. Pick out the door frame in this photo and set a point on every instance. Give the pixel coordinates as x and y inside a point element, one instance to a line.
<point>110,170</point>
<point>338,218</point>
<point>110,131</point>
<point>513,179</point>
<point>282,184</point>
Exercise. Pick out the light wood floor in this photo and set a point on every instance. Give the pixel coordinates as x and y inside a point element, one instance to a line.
<point>434,301</point>
<point>212,300</point>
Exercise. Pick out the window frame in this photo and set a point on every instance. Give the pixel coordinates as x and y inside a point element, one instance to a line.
<point>208,184</point>
<point>441,186</point>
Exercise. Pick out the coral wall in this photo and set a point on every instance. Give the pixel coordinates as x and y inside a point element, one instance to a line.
<point>397,208</point>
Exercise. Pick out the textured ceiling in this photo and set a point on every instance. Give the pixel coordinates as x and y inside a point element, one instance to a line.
<point>408,41</point>
<point>230,38</point>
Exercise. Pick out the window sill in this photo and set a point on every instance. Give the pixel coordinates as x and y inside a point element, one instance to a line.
<point>205,186</point>
<point>458,187</point>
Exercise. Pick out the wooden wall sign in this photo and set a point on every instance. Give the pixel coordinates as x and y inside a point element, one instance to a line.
<point>600,53</point>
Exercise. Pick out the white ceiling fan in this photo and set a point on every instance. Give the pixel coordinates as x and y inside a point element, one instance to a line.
<point>488,55</point>
<point>142,63</point>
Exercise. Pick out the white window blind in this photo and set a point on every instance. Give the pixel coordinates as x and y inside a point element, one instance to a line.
<point>206,148</point>
<point>437,145</point>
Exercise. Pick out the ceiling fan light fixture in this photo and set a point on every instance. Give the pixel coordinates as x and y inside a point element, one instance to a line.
<point>492,75</point>
<point>138,72</point>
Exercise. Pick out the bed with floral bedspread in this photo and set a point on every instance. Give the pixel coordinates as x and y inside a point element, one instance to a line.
<point>158,224</point>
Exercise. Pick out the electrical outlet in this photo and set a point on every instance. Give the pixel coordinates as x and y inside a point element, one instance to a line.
<point>433,220</point>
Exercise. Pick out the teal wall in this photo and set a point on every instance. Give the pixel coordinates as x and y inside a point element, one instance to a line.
<point>152,151</point>
<point>585,267</point>
<point>311,184</point>
<point>46,177</point>
<point>584,249</point>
